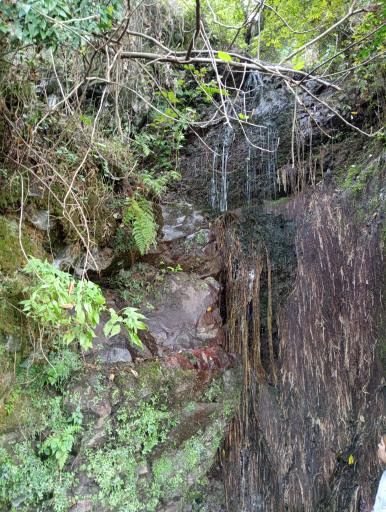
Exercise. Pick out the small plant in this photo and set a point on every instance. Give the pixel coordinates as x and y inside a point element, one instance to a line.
<point>170,268</point>
<point>129,318</point>
<point>61,365</point>
<point>146,427</point>
<point>62,305</point>
<point>59,444</point>
<point>214,391</point>
<point>138,214</point>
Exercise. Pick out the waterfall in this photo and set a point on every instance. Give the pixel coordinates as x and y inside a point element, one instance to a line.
<point>250,175</point>
<point>219,191</point>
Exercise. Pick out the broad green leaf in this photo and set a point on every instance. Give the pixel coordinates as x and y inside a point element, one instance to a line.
<point>224,56</point>
<point>299,65</point>
<point>115,330</point>
<point>86,120</point>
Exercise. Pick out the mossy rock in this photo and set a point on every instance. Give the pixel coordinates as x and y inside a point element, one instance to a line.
<point>11,254</point>
<point>12,259</point>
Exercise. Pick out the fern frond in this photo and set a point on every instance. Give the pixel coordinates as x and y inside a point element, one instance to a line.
<point>156,186</point>
<point>139,215</point>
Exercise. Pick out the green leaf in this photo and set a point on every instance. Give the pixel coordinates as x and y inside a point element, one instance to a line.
<point>115,330</point>
<point>299,65</point>
<point>135,339</point>
<point>86,120</point>
<point>224,56</point>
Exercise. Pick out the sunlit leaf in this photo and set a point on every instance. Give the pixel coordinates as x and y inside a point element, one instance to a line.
<point>224,56</point>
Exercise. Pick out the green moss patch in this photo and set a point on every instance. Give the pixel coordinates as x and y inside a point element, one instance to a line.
<point>11,255</point>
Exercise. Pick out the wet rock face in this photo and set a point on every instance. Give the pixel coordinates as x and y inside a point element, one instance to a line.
<point>185,315</point>
<point>179,221</point>
<point>239,166</point>
<point>326,409</point>
<point>186,240</point>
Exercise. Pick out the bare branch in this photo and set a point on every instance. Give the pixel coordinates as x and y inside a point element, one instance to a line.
<point>355,43</point>
<point>197,31</point>
<point>323,34</point>
<point>242,63</point>
<point>319,100</point>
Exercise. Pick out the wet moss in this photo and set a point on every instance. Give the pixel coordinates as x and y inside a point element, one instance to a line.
<point>12,257</point>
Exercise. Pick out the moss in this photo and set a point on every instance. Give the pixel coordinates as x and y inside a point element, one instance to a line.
<point>174,474</point>
<point>142,461</point>
<point>11,255</point>
<point>9,189</point>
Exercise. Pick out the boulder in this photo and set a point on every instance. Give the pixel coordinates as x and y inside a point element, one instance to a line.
<point>184,316</point>
<point>42,220</point>
<point>180,220</point>
<point>186,240</point>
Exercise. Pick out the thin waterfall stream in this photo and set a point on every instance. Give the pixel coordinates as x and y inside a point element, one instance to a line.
<point>257,157</point>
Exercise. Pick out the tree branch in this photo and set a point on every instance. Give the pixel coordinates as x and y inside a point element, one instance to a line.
<point>241,63</point>
<point>320,36</point>
<point>197,31</point>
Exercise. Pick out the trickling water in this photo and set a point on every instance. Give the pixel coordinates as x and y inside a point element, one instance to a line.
<point>219,191</point>
<point>214,189</point>
<point>254,158</point>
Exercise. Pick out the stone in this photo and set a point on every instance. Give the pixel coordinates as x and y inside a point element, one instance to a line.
<point>101,259</point>
<point>82,506</point>
<point>66,258</point>
<point>207,359</point>
<point>186,316</point>
<point>42,220</point>
<point>143,469</point>
<point>12,344</point>
<point>70,257</point>
<point>115,355</point>
<point>180,220</point>
<point>93,399</point>
<point>186,240</point>
<point>96,439</point>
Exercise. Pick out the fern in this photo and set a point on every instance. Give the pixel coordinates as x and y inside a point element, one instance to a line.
<point>158,185</point>
<point>139,215</point>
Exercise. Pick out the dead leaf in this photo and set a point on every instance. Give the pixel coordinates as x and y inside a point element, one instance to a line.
<point>70,305</point>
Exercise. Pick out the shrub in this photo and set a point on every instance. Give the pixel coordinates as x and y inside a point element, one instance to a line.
<point>62,305</point>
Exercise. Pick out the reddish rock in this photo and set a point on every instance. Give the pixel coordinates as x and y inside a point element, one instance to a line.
<point>204,359</point>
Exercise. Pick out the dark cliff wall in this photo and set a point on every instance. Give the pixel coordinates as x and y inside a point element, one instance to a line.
<point>306,435</point>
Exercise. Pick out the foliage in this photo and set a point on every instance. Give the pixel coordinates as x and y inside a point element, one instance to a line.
<point>115,473</point>
<point>285,39</point>
<point>146,427</point>
<point>138,214</point>
<point>59,444</point>
<point>27,486</point>
<point>129,318</point>
<point>60,366</point>
<point>138,283</point>
<point>231,13</point>
<point>31,471</point>
<point>170,470</point>
<point>157,185</point>
<point>59,302</point>
<point>50,23</point>
<point>72,308</point>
